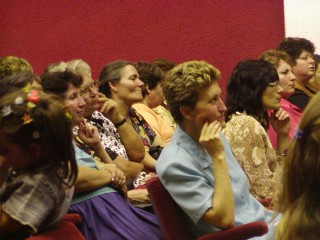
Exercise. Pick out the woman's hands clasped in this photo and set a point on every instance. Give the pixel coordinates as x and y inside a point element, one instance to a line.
<point>118,179</point>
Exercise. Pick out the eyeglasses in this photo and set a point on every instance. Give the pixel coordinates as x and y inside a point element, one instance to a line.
<point>85,91</point>
<point>274,84</point>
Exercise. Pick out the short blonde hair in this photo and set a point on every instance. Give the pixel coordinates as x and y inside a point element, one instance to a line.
<point>182,82</point>
<point>10,65</point>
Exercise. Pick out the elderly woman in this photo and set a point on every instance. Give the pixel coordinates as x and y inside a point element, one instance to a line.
<point>100,187</point>
<point>152,77</point>
<point>301,52</point>
<point>120,81</point>
<point>282,63</point>
<point>253,90</point>
<point>121,142</point>
<point>197,167</point>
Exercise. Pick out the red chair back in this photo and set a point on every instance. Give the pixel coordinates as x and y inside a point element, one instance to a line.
<point>66,230</point>
<point>174,225</point>
<point>172,222</point>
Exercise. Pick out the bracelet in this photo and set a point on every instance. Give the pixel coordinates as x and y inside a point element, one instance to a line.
<point>119,124</point>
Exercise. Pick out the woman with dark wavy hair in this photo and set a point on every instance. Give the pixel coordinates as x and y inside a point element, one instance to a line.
<point>252,90</point>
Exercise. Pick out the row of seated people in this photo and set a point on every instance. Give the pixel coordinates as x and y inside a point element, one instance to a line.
<point>109,121</point>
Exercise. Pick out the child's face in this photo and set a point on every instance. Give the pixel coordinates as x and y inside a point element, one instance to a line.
<point>13,155</point>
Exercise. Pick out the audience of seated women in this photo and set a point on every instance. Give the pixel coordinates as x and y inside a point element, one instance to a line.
<point>120,128</point>
<point>253,89</point>
<point>100,188</point>
<point>117,141</point>
<point>197,166</point>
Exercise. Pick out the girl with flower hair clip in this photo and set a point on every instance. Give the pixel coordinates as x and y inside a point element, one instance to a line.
<point>38,186</point>
<point>299,200</point>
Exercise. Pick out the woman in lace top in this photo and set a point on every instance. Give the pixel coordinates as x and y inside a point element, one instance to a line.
<point>252,90</point>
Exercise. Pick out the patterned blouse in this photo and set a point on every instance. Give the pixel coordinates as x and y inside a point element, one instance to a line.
<point>109,136</point>
<point>37,200</point>
<point>155,121</point>
<point>146,133</point>
<point>253,150</point>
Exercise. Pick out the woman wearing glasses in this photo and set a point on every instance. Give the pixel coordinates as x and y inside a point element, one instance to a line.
<point>283,64</point>
<point>252,90</point>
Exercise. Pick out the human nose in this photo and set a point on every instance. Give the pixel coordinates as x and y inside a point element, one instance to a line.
<point>222,107</point>
<point>139,82</point>
<point>292,76</point>
<point>311,60</point>
<point>81,102</point>
<point>93,92</point>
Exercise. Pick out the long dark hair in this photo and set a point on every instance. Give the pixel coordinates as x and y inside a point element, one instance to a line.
<point>245,88</point>
<point>35,118</point>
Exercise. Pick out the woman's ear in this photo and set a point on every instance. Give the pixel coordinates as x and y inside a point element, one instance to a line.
<point>148,90</point>
<point>113,86</point>
<point>186,112</point>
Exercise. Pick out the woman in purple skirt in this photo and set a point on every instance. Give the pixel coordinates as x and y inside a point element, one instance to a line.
<point>100,188</point>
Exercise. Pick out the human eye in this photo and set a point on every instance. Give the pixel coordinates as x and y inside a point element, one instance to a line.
<point>84,91</point>
<point>285,72</point>
<point>214,99</point>
<point>304,57</point>
<point>73,96</point>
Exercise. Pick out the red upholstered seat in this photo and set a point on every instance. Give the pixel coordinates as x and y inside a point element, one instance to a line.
<point>67,229</point>
<point>174,226</point>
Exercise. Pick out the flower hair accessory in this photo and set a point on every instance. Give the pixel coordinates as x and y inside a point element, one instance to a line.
<point>33,98</point>
<point>298,134</point>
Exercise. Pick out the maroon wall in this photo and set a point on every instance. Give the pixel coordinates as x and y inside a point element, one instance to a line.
<point>219,31</point>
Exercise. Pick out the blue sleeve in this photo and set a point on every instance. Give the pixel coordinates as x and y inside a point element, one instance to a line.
<point>187,182</point>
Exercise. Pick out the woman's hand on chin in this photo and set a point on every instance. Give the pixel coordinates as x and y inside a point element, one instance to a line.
<point>89,135</point>
<point>109,108</point>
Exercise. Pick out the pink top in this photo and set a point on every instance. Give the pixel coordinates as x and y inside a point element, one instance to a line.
<point>158,124</point>
<point>295,114</point>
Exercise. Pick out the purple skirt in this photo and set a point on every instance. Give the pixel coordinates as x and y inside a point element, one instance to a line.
<point>109,216</point>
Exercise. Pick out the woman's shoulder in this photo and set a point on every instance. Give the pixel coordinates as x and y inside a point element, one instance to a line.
<point>241,124</point>
<point>242,119</point>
